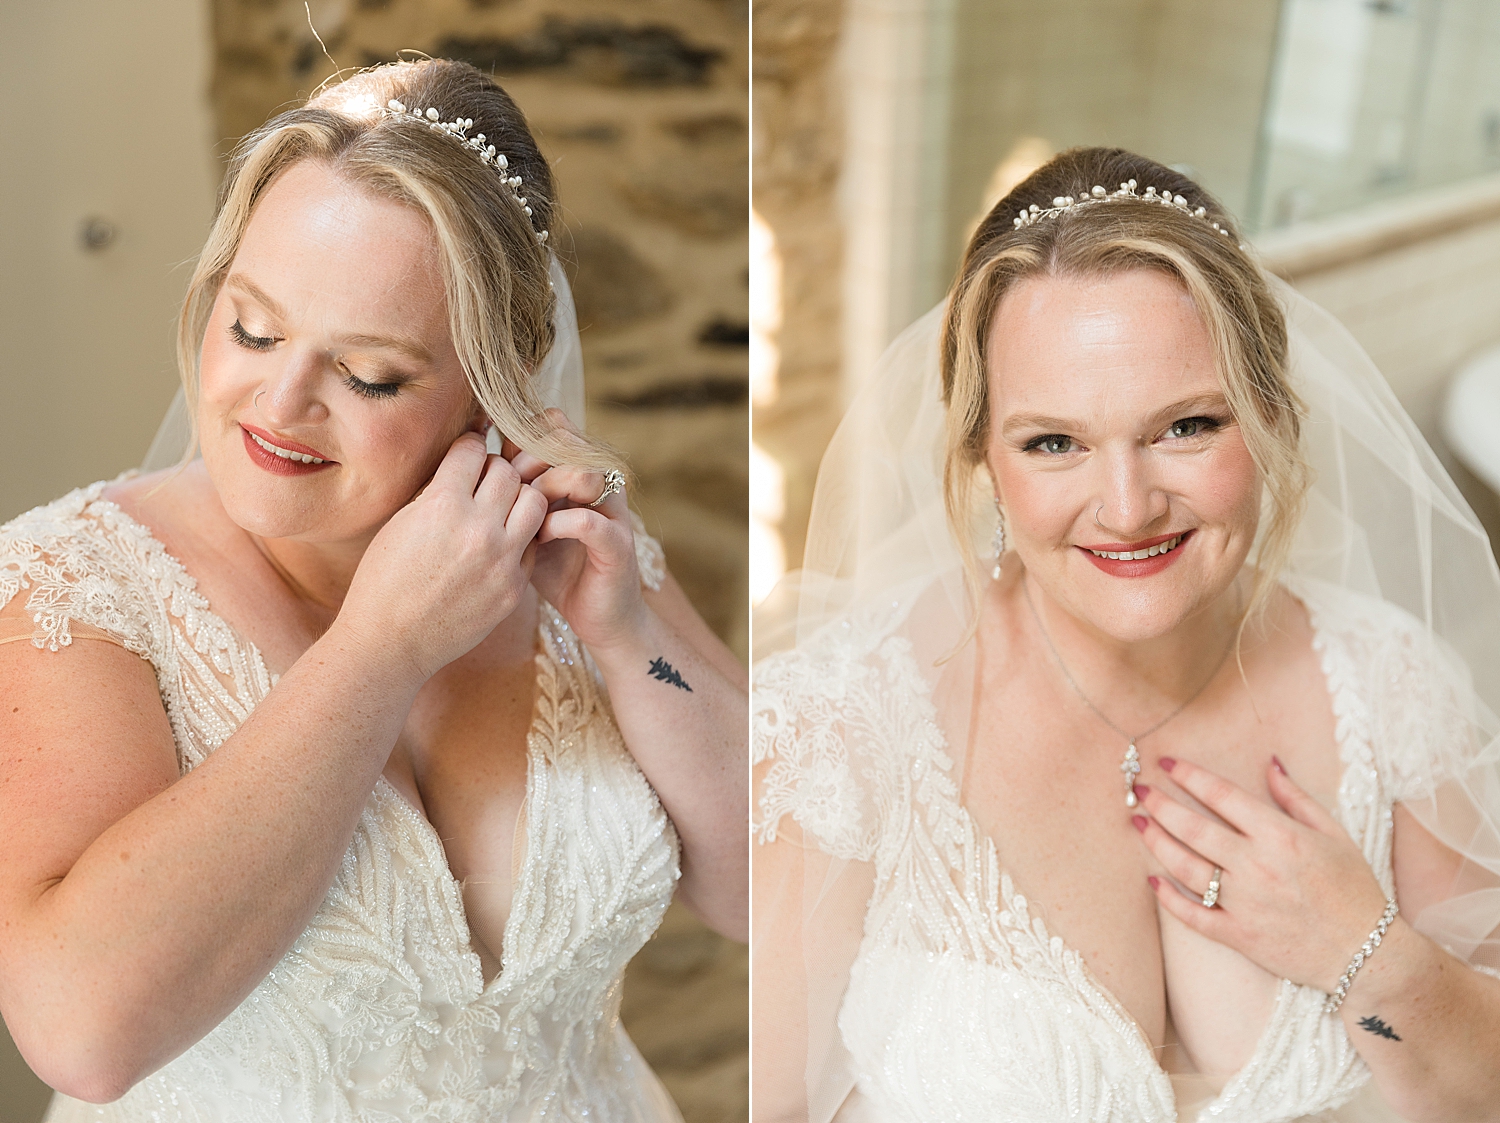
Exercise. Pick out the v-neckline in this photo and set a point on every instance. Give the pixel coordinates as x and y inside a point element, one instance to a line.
<point>1148,1051</point>
<point>432,841</point>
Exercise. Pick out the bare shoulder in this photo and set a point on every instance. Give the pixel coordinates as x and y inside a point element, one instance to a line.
<point>1285,629</point>
<point>84,739</point>
<point>167,500</point>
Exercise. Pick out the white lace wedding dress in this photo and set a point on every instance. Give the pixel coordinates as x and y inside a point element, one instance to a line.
<point>380,1012</point>
<point>960,1005</point>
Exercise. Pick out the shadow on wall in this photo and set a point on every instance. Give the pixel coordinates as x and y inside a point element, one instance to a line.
<point>23,1098</point>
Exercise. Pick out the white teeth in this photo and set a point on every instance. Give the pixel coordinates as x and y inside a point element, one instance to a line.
<point>1137,555</point>
<point>285,454</point>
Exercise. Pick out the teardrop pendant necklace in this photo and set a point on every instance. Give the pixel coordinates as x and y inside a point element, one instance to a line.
<point>1131,765</point>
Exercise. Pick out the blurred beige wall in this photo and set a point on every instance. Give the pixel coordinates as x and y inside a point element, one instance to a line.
<point>108,119</point>
<point>797,156</point>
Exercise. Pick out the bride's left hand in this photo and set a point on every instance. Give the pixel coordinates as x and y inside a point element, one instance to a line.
<point>1296,895</point>
<point>585,561</point>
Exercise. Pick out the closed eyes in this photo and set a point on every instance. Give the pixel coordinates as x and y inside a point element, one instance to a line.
<point>358,385</point>
<point>371,389</point>
<point>238,333</point>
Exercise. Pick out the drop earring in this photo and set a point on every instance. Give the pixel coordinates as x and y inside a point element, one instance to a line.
<point>999,538</point>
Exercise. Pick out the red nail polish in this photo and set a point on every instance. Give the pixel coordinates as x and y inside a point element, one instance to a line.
<point>1167,763</point>
<point>1142,790</point>
<point>1153,882</point>
<point>1276,760</point>
<point>1140,822</point>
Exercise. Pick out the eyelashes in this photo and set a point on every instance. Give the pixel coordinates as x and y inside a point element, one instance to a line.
<point>1183,429</point>
<point>238,333</point>
<point>359,386</point>
<point>1197,426</point>
<point>1046,442</point>
<point>371,389</point>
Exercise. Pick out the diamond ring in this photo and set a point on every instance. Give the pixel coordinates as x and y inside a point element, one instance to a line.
<point>1211,897</point>
<point>614,483</point>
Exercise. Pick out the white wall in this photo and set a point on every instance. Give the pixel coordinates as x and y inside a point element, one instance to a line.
<point>106,114</point>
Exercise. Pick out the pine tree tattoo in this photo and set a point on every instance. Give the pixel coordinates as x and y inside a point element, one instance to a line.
<point>661,669</point>
<point>1378,1027</point>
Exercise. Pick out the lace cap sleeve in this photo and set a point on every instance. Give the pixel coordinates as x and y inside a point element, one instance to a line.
<point>1395,688</point>
<point>799,722</point>
<point>63,573</point>
<point>650,559</point>
<point>1424,736</point>
<point>845,739</point>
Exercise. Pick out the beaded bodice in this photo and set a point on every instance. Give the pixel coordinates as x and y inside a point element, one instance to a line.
<point>380,1010</point>
<point>960,1004</point>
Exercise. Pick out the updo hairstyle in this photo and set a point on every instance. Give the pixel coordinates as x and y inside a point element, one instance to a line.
<point>494,265</point>
<point>1243,319</point>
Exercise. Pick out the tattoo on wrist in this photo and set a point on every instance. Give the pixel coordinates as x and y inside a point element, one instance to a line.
<point>665,672</point>
<point>1378,1027</point>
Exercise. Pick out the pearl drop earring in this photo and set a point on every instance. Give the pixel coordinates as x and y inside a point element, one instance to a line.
<point>999,538</point>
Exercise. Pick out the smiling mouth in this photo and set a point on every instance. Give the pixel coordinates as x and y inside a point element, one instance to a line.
<point>1137,555</point>
<point>284,453</point>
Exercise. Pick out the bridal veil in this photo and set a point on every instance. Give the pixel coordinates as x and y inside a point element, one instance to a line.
<point>1383,519</point>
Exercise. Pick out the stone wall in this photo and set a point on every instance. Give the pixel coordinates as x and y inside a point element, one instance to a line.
<point>798,150</point>
<point>641,107</point>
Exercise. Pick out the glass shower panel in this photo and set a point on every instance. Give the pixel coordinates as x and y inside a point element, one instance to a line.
<point>1370,99</point>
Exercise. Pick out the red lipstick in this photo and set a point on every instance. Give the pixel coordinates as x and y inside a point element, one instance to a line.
<point>1136,567</point>
<point>280,465</point>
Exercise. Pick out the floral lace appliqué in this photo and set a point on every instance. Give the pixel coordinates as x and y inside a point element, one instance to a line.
<point>850,750</point>
<point>379,1013</point>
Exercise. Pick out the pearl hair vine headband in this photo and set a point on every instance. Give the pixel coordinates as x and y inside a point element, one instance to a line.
<point>1028,216</point>
<point>458,129</point>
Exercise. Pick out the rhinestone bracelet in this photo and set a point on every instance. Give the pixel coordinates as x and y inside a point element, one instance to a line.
<point>1367,949</point>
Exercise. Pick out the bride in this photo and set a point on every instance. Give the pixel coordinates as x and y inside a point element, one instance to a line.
<point>1182,802</point>
<point>347,766</point>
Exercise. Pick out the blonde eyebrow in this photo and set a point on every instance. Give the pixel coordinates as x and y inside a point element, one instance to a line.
<point>406,347</point>
<point>255,292</point>
<point>1041,423</point>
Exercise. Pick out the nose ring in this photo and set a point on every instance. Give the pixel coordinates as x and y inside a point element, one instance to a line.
<point>1097,523</point>
<point>256,399</point>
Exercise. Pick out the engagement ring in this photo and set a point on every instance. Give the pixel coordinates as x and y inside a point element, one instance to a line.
<point>1211,898</point>
<point>614,483</point>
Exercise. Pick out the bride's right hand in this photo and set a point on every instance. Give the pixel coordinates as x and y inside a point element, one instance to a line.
<point>450,565</point>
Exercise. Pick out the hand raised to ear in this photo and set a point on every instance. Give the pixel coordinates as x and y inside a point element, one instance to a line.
<point>586,564</point>
<point>452,563</point>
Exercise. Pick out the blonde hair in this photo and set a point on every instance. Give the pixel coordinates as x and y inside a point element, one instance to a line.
<point>494,268</point>
<point>1244,323</point>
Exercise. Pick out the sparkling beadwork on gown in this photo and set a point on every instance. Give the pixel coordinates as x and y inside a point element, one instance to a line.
<point>960,1004</point>
<point>380,1012</point>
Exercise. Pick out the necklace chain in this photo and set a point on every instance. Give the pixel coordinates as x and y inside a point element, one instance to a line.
<point>1131,765</point>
